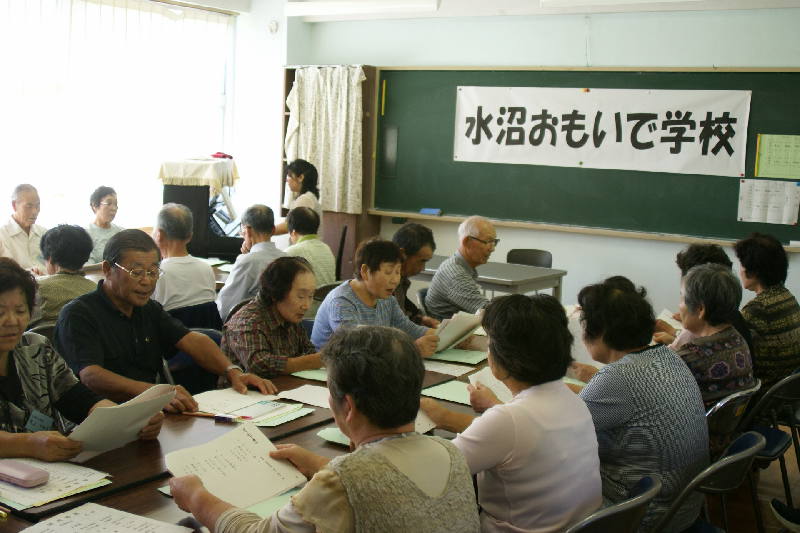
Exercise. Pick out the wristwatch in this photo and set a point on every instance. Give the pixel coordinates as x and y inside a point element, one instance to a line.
<point>237,367</point>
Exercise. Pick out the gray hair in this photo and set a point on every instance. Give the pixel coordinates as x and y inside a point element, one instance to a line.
<point>260,218</point>
<point>716,288</point>
<point>471,226</point>
<point>19,189</point>
<point>176,221</point>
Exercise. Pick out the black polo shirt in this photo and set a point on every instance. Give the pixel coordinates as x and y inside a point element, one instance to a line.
<point>92,331</point>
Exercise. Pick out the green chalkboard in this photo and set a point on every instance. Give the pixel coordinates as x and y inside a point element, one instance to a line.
<point>415,167</point>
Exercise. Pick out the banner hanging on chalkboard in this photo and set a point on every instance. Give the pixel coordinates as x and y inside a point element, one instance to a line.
<point>687,132</point>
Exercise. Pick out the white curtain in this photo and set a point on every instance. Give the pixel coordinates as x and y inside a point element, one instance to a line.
<point>100,92</point>
<point>324,128</point>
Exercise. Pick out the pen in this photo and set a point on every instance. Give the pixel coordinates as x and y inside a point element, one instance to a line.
<point>198,414</point>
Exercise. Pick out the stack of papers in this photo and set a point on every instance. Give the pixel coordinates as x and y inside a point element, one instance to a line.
<point>237,467</point>
<point>259,409</point>
<point>456,329</point>
<point>65,480</point>
<point>445,368</point>
<point>451,391</point>
<point>107,428</point>
<point>226,401</point>
<point>94,518</point>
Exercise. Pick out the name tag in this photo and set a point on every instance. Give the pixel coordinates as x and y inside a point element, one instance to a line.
<point>39,421</point>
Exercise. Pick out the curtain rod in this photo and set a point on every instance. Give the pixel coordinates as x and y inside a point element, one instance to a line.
<point>195,6</point>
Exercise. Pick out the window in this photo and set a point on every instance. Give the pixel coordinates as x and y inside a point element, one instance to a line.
<point>100,92</point>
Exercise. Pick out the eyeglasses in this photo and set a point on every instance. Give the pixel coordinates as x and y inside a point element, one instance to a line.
<point>490,242</point>
<point>139,273</point>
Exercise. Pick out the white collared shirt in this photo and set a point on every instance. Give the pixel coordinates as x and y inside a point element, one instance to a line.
<point>20,246</point>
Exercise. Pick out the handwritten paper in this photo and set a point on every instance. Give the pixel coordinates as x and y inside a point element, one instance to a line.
<point>318,374</point>
<point>310,394</point>
<point>446,368</point>
<point>237,467</point>
<point>770,201</point>
<point>94,518</point>
<point>225,401</point>
<point>470,357</point>
<point>65,479</point>
<point>107,428</point>
<point>452,391</point>
<point>778,156</point>
<point>499,388</point>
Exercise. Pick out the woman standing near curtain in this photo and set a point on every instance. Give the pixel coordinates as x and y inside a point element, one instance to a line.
<point>302,179</point>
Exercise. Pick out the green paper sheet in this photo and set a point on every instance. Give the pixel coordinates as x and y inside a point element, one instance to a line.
<point>470,357</point>
<point>282,419</point>
<point>570,381</point>
<point>334,435</point>
<point>268,507</point>
<point>319,374</point>
<point>452,391</point>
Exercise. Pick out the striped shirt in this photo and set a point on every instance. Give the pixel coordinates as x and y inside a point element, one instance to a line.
<point>649,418</point>
<point>342,307</point>
<point>774,317</point>
<point>318,254</point>
<point>262,340</point>
<point>454,289</point>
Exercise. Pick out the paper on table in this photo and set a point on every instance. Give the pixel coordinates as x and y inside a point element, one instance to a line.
<point>666,316</point>
<point>499,388</point>
<point>94,518</point>
<point>445,368</point>
<point>268,507</point>
<point>223,401</point>
<point>65,479</point>
<point>107,428</point>
<point>334,435</point>
<point>480,331</point>
<point>456,329</point>
<point>288,417</point>
<point>236,467</point>
<point>571,381</point>
<point>319,374</point>
<point>311,394</point>
<point>770,201</point>
<point>281,410</point>
<point>452,391</point>
<point>455,355</point>
<point>226,268</point>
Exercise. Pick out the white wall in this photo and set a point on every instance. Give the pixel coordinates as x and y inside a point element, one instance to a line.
<point>724,38</point>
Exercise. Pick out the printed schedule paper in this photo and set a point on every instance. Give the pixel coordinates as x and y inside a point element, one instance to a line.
<point>237,467</point>
<point>94,518</point>
<point>770,201</point>
<point>65,479</point>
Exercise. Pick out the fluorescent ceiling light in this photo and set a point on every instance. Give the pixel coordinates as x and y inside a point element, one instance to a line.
<point>327,8</point>
<point>587,3</point>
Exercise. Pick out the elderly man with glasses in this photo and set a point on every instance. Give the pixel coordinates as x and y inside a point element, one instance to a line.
<point>454,287</point>
<point>114,338</point>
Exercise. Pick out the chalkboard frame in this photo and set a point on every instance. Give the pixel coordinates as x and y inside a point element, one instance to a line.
<point>379,207</point>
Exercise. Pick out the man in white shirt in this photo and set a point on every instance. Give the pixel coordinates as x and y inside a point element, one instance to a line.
<point>303,223</point>
<point>186,281</point>
<point>20,236</point>
<point>258,251</point>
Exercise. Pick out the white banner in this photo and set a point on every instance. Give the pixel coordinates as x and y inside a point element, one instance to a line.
<point>688,132</point>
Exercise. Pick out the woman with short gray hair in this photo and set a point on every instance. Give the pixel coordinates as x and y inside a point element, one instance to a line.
<point>718,356</point>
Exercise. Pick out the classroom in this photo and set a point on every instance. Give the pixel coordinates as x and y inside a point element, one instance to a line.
<point>250,45</point>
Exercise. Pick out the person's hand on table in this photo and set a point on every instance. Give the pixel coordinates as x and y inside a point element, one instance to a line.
<point>435,410</point>
<point>182,401</point>
<point>481,397</point>
<point>153,427</point>
<point>581,371</point>
<point>241,381</point>
<point>184,488</point>
<point>663,338</point>
<point>306,462</point>
<point>663,327</point>
<point>52,446</point>
<point>430,322</point>
<point>427,343</point>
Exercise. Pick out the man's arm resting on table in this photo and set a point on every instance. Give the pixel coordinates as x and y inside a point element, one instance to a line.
<point>110,384</point>
<point>303,362</point>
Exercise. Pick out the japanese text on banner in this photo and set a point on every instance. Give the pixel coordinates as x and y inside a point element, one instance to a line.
<point>689,132</point>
